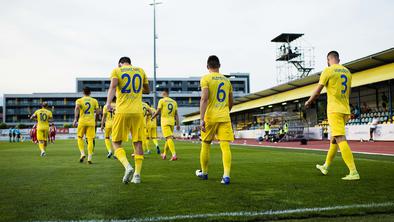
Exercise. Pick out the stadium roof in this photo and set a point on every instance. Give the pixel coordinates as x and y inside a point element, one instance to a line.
<point>358,65</point>
<point>287,37</point>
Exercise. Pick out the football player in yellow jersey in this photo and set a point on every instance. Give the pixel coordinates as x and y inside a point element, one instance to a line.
<point>338,80</point>
<point>106,126</point>
<point>152,128</point>
<point>169,117</point>
<point>43,116</point>
<point>129,83</point>
<point>216,103</point>
<point>85,119</point>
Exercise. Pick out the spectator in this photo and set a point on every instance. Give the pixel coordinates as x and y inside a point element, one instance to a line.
<point>374,125</point>
<point>365,108</point>
<point>10,133</point>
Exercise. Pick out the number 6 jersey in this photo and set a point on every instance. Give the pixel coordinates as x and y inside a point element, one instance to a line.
<point>338,80</point>
<point>219,88</point>
<point>87,107</point>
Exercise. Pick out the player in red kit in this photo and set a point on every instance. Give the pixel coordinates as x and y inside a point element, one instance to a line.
<point>33,134</point>
<point>52,133</point>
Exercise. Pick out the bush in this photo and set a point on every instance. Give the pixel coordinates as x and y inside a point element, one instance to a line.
<point>3,126</point>
<point>67,125</point>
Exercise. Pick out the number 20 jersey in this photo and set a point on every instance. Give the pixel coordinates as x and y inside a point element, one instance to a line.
<point>219,88</point>
<point>129,90</point>
<point>87,107</point>
<point>338,80</point>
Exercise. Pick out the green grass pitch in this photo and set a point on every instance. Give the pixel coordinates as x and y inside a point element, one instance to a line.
<point>58,187</point>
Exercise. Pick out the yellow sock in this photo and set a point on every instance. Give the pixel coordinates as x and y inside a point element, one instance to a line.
<point>347,156</point>
<point>108,145</point>
<point>121,155</point>
<point>138,163</point>
<point>331,154</point>
<point>90,147</point>
<point>41,146</point>
<point>81,146</point>
<point>171,146</point>
<point>155,142</point>
<point>226,156</point>
<point>204,156</point>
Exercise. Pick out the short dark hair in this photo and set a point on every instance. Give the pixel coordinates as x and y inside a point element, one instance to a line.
<point>44,104</point>
<point>125,59</point>
<point>334,54</point>
<point>213,62</point>
<point>86,91</point>
<point>166,90</point>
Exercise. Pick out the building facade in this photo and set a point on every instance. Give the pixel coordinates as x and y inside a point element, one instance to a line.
<point>186,91</point>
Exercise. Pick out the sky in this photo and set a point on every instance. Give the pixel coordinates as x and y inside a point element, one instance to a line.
<point>46,44</point>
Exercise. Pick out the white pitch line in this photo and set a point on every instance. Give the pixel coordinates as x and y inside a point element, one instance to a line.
<point>310,149</point>
<point>243,213</point>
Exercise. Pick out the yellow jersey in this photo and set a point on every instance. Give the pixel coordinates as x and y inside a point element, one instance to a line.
<point>168,109</point>
<point>129,90</point>
<point>87,107</point>
<point>109,116</point>
<point>43,117</point>
<point>152,123</point>
<point>145,112</point>
<point>219,88</point>
<point>338,80</point>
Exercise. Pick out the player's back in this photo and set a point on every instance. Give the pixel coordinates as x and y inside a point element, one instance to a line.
<point>129,90</point>
<point>109,115</point>
<point>43,116</point>
<point>145,108</point>
<point>338,80</point>
<point>87,107</point>
<point>219,88</point>
<point>168,108</point>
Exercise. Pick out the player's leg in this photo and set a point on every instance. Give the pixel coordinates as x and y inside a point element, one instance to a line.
<point>225,135</point>
<point>153,134</point>
<point>120,131</point>
<point>137,132</point>
<point>347,157</point>
<point>107,141</point>
<point>168,132</point>
<point>206,137</point>
<point>81,130</point>
<point>332,151</point>
<point>164,153</point>
<point>41,140</point>
<point>90,135</point>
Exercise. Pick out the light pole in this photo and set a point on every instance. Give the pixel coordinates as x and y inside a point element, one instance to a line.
<point>154,51</point>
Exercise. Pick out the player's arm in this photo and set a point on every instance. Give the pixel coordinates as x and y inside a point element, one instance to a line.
<point>103,120</point>
<point>33,117</point>
<point>111,93</point>
<point>76,114</point>
<point>203,106</point>
<point>156,113</point>
<point>230,101</point>
<point>314,95</point>
<point>145,85</point>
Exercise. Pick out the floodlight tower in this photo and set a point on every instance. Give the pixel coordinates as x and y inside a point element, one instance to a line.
<point>154,51</point>
<point>295,60</point>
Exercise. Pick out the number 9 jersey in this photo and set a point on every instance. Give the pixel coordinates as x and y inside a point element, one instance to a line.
<point>168,109</point>
<point>219,88</point>
<point>338,80</point>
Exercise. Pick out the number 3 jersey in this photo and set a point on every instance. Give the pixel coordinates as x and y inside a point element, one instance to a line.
<point>219,88</point>
<point>43,116</point>
<point>129,90</point>
<point>87,106</point>
<point>338,80</point>
<point>168,109</point>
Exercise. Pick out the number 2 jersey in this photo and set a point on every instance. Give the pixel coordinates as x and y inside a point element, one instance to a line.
<point>87,107</point>
<point>43,116</point>
<point>219,88</point>
<point>338,80</point>
<point>129,90</point>
<point>168,109</point>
